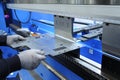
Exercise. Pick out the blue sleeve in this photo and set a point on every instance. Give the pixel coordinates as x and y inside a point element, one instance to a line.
<point>3,40</point>
<point>9,65</point>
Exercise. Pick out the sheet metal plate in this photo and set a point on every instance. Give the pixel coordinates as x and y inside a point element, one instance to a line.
<point>49,44</point>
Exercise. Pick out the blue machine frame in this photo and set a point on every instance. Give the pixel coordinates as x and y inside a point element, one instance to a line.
<point>2,19</point>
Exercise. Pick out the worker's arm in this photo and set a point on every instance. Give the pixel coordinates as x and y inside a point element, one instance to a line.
<point>3,39</point>
<point>28,59</point>
<point>9,65</point>
<point>8,40</point>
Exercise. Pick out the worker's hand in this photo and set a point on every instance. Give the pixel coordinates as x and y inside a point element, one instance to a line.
<point>14,38</point>
<point>30,59</point>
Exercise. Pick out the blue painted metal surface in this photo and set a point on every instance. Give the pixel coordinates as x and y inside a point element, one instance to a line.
<point>92,50</point>
<point>48,75</point>
<point>33,28</point>
<point>45,74</point>
<point>63,70</point>
<point>41,26</point>
<point>13,76</point>
<point>25,75</point>
<point>22,15</point>
<point>35,16</point>
<point>8,52</point>
<point>2,19</point>
<point>44,27</point>
<point>96,44</point>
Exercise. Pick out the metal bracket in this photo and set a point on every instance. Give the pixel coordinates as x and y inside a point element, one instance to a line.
<point>64,27</point>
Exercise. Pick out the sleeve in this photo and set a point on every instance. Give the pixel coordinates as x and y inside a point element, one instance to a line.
<point>3,40</point>
<point>9,65</point>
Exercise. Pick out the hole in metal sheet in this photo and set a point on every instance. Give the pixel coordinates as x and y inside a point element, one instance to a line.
<point>60,48</point>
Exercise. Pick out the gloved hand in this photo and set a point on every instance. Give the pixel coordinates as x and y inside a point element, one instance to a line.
<point>30,59</point>
<point>14,38</point>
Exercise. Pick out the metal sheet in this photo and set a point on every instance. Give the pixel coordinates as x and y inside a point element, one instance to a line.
<point>36,1</point>
<point>111,39</point>
<point>89,2</point>
<point>51,45</point>
<point>92,35</point>
<point>103,13</point>
<point>78,2</point>
<point>64,27</point>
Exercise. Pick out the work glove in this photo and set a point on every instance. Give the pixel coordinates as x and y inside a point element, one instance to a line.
<point>30,59</point>
<point>14,38</point>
